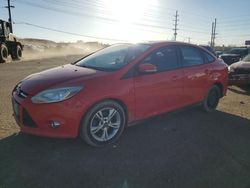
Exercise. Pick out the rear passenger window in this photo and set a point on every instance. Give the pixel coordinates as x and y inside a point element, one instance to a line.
<point>208,58</point>
<point>191,56</point>
<point>164,59</point>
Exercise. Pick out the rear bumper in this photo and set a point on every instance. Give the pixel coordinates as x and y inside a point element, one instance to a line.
<point>239,79</point>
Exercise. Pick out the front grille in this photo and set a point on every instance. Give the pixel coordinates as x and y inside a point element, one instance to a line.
<point>27,120</point>
<point>241,71</point>
<point>20,92</point>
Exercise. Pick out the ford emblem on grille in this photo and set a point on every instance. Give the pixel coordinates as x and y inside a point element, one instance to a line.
<point>20,92</point>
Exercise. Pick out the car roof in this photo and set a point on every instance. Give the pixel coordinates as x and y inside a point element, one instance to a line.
<point>239,48</point>
<point>160,43</point>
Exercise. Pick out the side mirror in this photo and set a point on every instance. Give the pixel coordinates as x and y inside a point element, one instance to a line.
<point>147,68</point>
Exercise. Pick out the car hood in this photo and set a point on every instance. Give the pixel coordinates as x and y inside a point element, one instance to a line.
<point>56,76</point>
<point>241,65</point>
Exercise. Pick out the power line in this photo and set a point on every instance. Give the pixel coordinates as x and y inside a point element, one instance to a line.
<point>202,32</point>
<point>202,29</point>
<point>75,7</point>
<point>89,15</point>
<point>163,7</point>
<point>70,33</point>
<point>150,14</point>
<point>235,26</point>
<point>233,22</point>
<point>110,20</point>
<point>243,35</point>
<point>228,19</point>
<point>100,8</point>
<point>104,12</point>
<point>99,17</point>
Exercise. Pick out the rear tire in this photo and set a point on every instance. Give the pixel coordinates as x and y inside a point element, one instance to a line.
<point>3,53</point>
<point>212,99</point>
<point>103,124</point>
<point>17,53</point>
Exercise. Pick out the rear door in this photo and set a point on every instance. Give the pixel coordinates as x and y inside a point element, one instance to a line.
<point>163,90</point>
<point>196,71</point>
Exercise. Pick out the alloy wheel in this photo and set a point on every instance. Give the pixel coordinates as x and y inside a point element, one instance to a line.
<point>105,124</point>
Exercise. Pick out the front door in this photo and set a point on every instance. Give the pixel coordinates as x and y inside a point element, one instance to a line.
<point>161,91</point>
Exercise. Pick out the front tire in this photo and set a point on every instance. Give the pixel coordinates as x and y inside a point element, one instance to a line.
<point>3,53</point>
<point>103,124</point>
<point>212,99</point>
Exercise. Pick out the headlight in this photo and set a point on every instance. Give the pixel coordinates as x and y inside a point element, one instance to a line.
<point>230,69</point>
<point>55,95</point>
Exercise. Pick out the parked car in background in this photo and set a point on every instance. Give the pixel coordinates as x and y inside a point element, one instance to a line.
<point>97,96</point>
<point>218,53</point>
<point>209,49</point>
<point>239,73</point>
<point>234,55</point>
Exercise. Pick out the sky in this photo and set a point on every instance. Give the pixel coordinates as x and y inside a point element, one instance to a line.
<point>130,20</point>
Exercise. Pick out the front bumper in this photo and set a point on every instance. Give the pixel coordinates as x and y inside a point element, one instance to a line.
<point>239,79</point>
<point>36,119</point>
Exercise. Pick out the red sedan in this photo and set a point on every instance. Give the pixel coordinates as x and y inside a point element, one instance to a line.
<point>97,96</point>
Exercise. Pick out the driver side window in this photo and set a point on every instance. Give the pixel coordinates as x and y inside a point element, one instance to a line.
<point>164,59</point>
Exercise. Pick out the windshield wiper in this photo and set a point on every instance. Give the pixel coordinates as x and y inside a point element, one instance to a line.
<point>90,67</point>
<point>85,66</point>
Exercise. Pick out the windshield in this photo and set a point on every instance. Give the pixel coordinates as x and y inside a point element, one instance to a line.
<point>247,58</point>
<point>239,51</point>
<point>113,57</point>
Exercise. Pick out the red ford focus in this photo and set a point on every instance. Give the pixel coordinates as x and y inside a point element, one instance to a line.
<point>97,96</point>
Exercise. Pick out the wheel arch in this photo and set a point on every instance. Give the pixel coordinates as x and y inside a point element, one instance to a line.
<point>19,44</point>
<point>4,43</point>
<point>120,102</point>
<point>221,87</point>
<point>117,100</point>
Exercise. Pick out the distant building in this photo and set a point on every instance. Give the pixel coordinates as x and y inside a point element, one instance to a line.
<point>247,42</point>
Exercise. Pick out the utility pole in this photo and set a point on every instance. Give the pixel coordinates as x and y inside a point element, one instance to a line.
<point>10,19</point>
<point>175,24</point>
<point>213,35</point>
<point>215,23</point>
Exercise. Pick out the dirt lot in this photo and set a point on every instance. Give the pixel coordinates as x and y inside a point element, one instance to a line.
<point>187,148</point>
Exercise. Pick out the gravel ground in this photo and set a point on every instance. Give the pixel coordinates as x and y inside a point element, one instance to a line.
<point>187,148</point>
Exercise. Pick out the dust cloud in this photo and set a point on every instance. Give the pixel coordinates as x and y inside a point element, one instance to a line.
<point>42,49</point>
